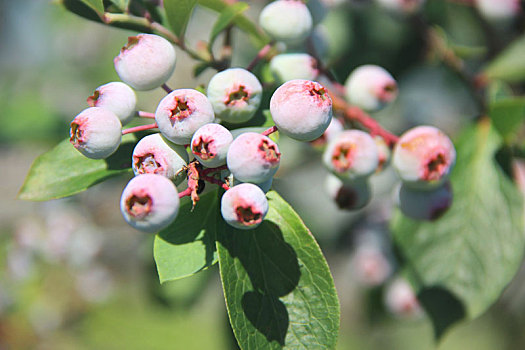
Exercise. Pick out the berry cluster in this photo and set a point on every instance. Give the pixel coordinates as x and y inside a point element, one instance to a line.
<point>192,144</point>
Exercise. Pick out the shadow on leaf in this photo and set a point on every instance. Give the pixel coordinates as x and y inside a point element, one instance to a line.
<point>443,308</point>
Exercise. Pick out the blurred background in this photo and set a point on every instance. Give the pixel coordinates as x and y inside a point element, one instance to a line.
<point>73,275</point>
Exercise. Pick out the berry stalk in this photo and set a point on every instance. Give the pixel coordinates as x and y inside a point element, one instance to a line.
<point>140,128</point>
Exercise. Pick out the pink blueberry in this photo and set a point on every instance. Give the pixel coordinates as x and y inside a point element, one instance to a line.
<point>118,98</point>
<point>290,66</point>
<point>424,157</point>
<point>370,265</point>
<point>235,95</point>
<point>400,299</point>
<point>244,206</point>
<point>210,144</point>
<point>370,87</point>
<point>351,155</point>
<point>153,154</point>
<point>96,132</point>
<point>147,61</point>
<point>288,21</point>
<point>384,152</point>
<point>498,10</point>
<point>149,202</point>
<point>253,157</point>
<point>181,113</point>
<point>301,109</point>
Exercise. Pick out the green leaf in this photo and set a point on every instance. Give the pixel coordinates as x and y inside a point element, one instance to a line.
<point>227,16</point>
<point>122,5</point>
<point>96,5</point>
<point>509,65</point>
<point>475,249</point>
<point>498,90</point>
<point>63,171</point>
<point>118,20</point>
<point>507,115</point>
<point>244,23</point>
<point>178,13</point>
<point>187,246</point>
<point>278,288</point>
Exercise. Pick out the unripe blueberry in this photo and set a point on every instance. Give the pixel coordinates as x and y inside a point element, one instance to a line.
<point>96,132</point>
<point>154,154</point>
<point>370,87</point>
<point>290,66</point>
<point>348,195</point>
<point>498,10</point>
<point>210,144</point>
<point>371,266</point>
<point>402,6</point>
<point>401,300</point>
<point>351,155</point>
<point>116,97</point>
<point>149,202</point>
<point>181,113</point>
<point>423,157</point>
<point>147,61</point>
<point>425,204</point>
<point>244,206</point>
<point>264,186</point>
<point>301,109</point>
<point>289,21</point>
<point>253,157</point>
<point>235,95</point>
<point>383,151</point>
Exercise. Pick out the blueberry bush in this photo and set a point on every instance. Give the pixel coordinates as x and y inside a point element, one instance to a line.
<point>310,73</point>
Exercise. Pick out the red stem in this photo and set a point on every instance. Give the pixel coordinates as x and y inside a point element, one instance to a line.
<point>215,181</point>
<point>143,114</point>
<point>207,171</point>
<point>263,52</point>
<point>185,193</point>
<point>166,88</point>
<point>270,131</point>
<point>357,114</point>
<point>140,128</point>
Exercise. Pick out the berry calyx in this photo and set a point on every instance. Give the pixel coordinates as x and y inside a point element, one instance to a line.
<point>244,206</point>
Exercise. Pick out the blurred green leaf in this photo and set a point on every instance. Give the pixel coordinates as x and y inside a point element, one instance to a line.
<point>507,115</point>
<point>475,249</point>
<point>509,65</point>
<point>121,4</point>
<point>227,16</point>
<point>96,5</point>
<point>179,13</point>
<point>498,90</point>
<point>277,285</point>
<point>63,171</point>
<point>188,245</point>
<point>199,68</point>
<point>241,21</point>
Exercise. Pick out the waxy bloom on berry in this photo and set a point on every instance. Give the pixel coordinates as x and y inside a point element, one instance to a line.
<point>370,87</point>
<point>235,95</point>
<point>244,206</point>
<point>351,155</point>
<point>350,195</point>
<point>253,157</point>
<point>427,204</point>
<point>301,109</point>
<point>210,144</point>
<point>181,113</point>
<point>96,132</point>
<point>288,21</point>
<point>149,202</point>
<point>423,157</point>
<point>153,154</point>
<point>147,61</point>
<point>291,66</point>
<point>116,97</point>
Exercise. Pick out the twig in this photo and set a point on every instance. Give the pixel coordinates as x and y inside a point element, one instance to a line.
<point>140,128</point>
